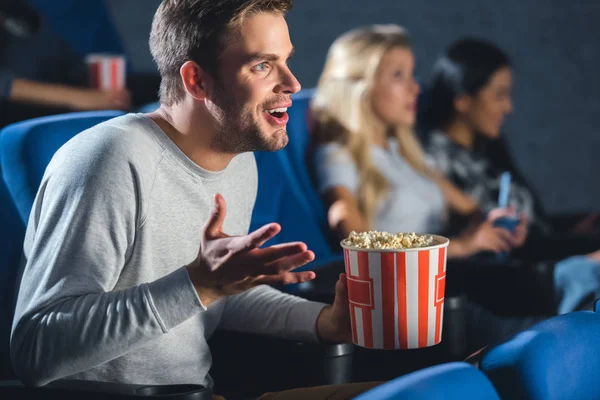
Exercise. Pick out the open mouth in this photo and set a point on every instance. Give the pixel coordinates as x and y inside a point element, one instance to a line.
<point>277,116</point>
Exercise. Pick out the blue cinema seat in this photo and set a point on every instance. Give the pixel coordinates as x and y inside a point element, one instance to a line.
<point>148,108</point>
<point>281,199</point>
<point>68,17</point>
<point>553,360</point>
<point>12,232</point>
<point>450,381</point>
<point>25,150</point>
<point>298,146</point>
<point>286,194</point>
<point>27,147</point>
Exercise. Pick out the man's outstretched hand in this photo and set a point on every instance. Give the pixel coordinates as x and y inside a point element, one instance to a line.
<point>228,265</point>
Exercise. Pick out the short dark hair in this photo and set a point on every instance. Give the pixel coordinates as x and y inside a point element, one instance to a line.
<point>197,30</point>
<point>466,68</point>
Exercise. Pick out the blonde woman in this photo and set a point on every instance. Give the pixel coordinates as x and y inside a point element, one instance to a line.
<point>369,166</point>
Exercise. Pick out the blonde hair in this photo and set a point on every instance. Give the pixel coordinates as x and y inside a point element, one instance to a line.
<point>342,110</point>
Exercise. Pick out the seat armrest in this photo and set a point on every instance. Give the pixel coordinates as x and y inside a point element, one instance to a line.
<point>90,390</point>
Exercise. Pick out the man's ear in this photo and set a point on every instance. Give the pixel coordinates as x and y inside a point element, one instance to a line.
<point>196,80</point>
<point>462,104</point>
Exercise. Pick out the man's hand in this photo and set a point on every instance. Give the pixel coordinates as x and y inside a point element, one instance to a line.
<point>333,324</point>
<point>228,265</point>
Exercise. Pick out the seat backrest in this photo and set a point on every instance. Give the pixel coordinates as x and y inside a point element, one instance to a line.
<point>12,231</point>
<point>456,380</point>
<point>25,150</point>
<point>148,108</point>
<point>556,359</point>
<point>27,147</point>
<point>86,25</point>
<point>298,146</point>
<point>280,199</point>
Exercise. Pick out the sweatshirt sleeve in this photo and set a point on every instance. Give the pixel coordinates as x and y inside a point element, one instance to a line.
<point>68,317</point>
<point>265,310</point>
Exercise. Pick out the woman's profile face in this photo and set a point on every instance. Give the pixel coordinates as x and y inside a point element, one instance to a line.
<point>395,91</point>
<point>485,112</point>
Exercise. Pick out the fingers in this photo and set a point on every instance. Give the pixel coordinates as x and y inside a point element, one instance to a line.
<point>273,253</point>
<point>286,264</point>
<point>501,240</point>
<point>519,237</point>
<point>341,289</point>
<point>214,225</point>
<point>523,219</point>
<point>288,278</point>
<point>500,213</point>
<point>503,234</point>
<point>259,236</point>
<point>242,244</point>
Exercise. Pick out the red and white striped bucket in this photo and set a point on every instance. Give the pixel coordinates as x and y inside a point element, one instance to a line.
<point>397,296</point>
<point>106,72</point>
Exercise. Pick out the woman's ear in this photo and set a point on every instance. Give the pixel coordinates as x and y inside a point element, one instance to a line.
<point>462,103</point>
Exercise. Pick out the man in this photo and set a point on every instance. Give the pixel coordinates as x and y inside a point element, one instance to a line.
<point>127,271</point>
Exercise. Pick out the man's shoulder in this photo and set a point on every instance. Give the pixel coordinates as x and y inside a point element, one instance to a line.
<point>120,149</point>
<point>128,139</point>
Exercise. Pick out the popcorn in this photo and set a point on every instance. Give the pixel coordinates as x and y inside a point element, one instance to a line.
<point>387,241</point>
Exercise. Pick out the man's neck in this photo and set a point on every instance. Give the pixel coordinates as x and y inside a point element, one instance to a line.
<point>461,134</point>
<point>193,132</point>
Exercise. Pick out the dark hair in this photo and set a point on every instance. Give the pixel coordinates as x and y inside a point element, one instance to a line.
<point>465,69</point>
<point>198,30</point>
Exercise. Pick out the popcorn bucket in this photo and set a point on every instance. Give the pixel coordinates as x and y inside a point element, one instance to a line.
<point>106,72</point>
<point>397,296</point>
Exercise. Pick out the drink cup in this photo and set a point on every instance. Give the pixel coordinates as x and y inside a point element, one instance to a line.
<point>106,72</point>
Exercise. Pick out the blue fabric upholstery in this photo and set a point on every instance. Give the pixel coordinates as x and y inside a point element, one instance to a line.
<point>298,129</point>
<point>296,150</point>
<point>286,194</point>
<point>12,231</point>
<point>25,150</point>
<point>555,359</point>
<point>27,147</point>
<point>86,25</point>
<point>147,108</point>
<point>451,381</point>
<point>280,199</point>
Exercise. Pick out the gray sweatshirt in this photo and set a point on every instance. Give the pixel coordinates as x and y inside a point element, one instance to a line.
<point>104,294</point>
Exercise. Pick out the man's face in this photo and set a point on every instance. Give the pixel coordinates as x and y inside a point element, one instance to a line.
<point>254,87</point>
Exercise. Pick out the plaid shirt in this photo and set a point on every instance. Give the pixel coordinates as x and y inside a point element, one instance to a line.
<point>474,174</point>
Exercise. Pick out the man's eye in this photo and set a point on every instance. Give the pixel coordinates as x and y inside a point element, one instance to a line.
<point>260,67</point>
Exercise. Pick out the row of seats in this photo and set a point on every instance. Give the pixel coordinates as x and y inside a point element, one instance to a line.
<point>553,360</point>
